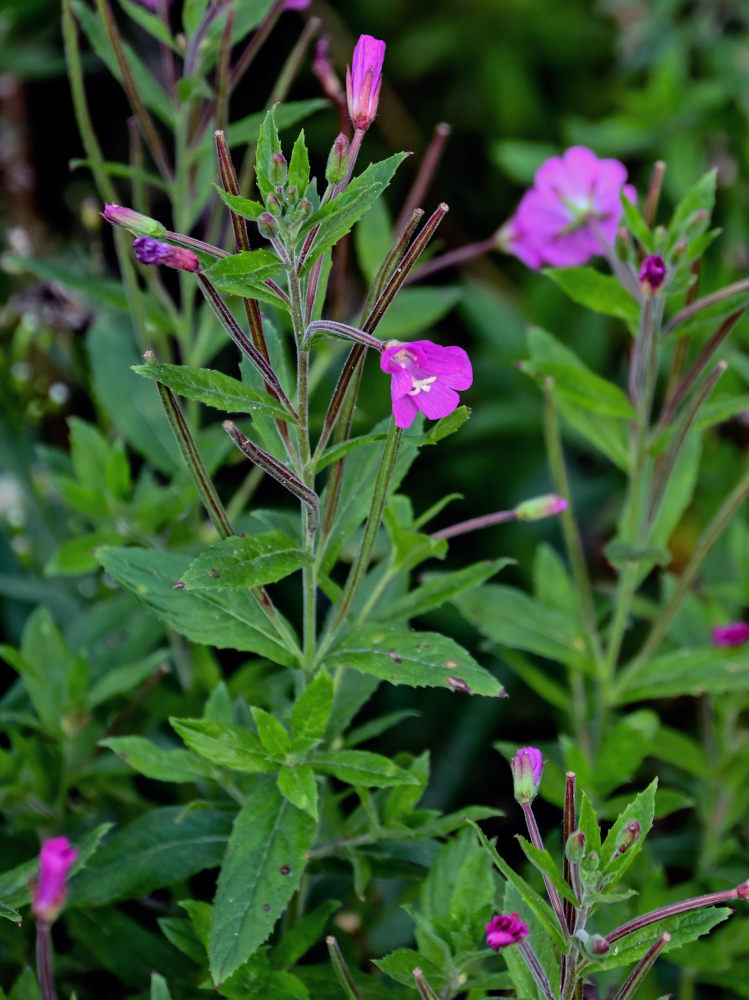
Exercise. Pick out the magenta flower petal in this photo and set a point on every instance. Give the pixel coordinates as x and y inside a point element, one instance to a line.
<point>505,929</point>
<point>527,767</point>
<point>735,634</point>
<point>48,894</point>
<point>363,81</point>
<point>425,377</point>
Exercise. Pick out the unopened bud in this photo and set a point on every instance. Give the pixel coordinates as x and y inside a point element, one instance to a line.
<point>742,891</point>
<point>304,209</point>
<point>527,767</point>
<point>652,274</point>
<point>540,507</point>
<point>695,224</point>
<point>660,236</point>
<point>623,243</point>
<point>591,862</point>
<point>273,204</point>
<point>292,195</point>
<point>149,251</point>
<point>137,224</point>
<point>267,225</point>
<point>598,945</point>
<point>278,170</point>
<point>338,159</point>
<point>628,836</point>
<point>575,846</point>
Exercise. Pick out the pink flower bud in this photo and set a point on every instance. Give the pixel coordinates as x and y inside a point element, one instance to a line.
<point>540,507</point>
<point>742,891</point>
<point>504,930</point>
<point>527,767</point>
<point>629,834</point>
<point>363,81</point>
<point>48,894</point>
<point>735,634</point>
<point>652,274</point>
<point>128,218</point>
<point>149,251</point>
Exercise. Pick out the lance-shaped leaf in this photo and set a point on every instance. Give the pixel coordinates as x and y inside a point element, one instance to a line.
<point>280,472</point>
<point>224,744</point>
<point>268,143</point>
<point>600,292</point>
<point>419,659</point>
<point>212,388</point>
<point>241,206</point>
<point>262,869</point>
<point>360,767</point>
<point>242,562</point>
<point>299,165</point>
<point>245,272</point>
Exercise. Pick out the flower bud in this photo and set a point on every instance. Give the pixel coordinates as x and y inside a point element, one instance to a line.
<point>273,204</point>
<point>338,159</point>
<point>695,224</point>
<point>527,767</point>
<point>575,847</point>
<point>139,225</point>
<point>623,243</point>
<point>660,236</point>
<point>48,894</point>
<point>149,251</point>
<point>304,209</point>
<point>505,929</point>
<point>292,195</point>
<point>735,634</point>
<point>742,891</point>
<point>627,836</point>
<point>278,170</point>
<point>591,862</point>
<point>267,225</point>
<point>363,81</point>
<point>652,274</point>
<point>598,945</point>
<point>540,507</point>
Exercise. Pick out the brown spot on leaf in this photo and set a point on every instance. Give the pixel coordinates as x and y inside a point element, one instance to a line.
<point>266,907</point>
<point>422,645</point>
<point>179,585</point>
<point>458,685</point>
<point>214,574</point>
<point>394,656</point>
<point>451,664</point>
<point>285,869</point>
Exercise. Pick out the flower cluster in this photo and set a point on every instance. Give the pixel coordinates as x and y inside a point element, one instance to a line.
<point>571,212</point>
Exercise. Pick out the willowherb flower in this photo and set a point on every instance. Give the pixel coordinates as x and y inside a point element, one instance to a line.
<point>735,634</point>
<point>539,507</point>
<point>505,929</point>
<point>150,251</point>
<point>573,208</point>
<point>363,81</point>
<point>652,274</point>
<point>49,892</point>
<point>137,223</point>
<point>527,767</point>
<point>424,377</point>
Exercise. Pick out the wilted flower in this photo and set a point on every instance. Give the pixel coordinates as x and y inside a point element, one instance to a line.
<point>363,81</point>
<point>735,634</point>
<point>573,205</point>
<point>425,377</point>
<point>48,894</point>
<point>505,929</point>
<point>652,274</point>
<point>322,67</point>
<point>527,767</point>
<point>150,251</point>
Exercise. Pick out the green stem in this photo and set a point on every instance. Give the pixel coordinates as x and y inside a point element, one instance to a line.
<point>44,961</point>
<point>359,568</point>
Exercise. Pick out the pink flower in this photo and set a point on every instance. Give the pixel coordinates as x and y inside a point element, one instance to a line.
<point>652,274</point>
<point>735,634</point>
<point>527,767</point>
<point>363,81</point>
<point>503,930</point>
<point>150,251</point>
<point>48,894</point>
<point>572,207</point>
<point>425,377</point>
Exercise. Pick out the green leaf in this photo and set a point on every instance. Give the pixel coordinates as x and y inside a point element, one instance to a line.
<point>223,619</point>
<point>637,225</point>
<point>600,292</point>
<point>163,846</point>
<point>684,928</point>
<point>212,388</point>
<point>359,767</point>
<point>272,734</point>
<point>262,869</point>
<point>537,905</point>
<point>150,23</point>
<point>303,935</point>
<point>299,166</point>
<point>338,216</point>
<point>159,988</point>
<point>508,616</point>
<point>588,823</point>
<point>241,206</point>
<point>543,862</point>
<point>247,269</point>
<point>268,143</point>
<point>297,785</point>
<point>640,810</point>
<point>122,680</point>
<point>699,198</point>
<point>240,563</point>
<point>310,714</point>
<point>224,744</point>
<point>684,672</point>
<point>157,762</point>
<point>418,659</point>
<point>10,914</point>
<point>373,238</point>
<point>583,388</point>
<point>414,310</point>
<point>399,965</point>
